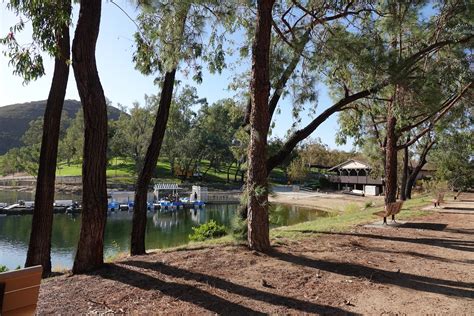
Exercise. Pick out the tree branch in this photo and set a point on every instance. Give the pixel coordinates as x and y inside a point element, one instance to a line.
<point>443,112</point>
<point>377,133</point>
<point>426,118</point>
<point>413,59</point>
<point>303,133</point>
<point>285,76</point>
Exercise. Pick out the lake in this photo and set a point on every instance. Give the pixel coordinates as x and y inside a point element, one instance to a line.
<point>163,230</point>
<point>11,197</point>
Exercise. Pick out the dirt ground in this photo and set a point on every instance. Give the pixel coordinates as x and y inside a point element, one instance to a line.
<point>425,266</point>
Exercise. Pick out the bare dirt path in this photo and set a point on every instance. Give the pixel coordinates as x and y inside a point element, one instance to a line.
<point>423,267</point>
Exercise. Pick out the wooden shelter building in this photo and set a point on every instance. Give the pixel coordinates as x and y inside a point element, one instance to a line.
<point>355,175</point>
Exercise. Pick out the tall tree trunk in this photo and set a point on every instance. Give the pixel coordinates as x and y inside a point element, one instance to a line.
<point>39,247</point>
<point>228,171</point>
<point>391,161</point>
<point>404,180</point>
<point>421,162</point>
<point>257,183</point>
<point>172,166</point>
<point>94,197</point>
<point>412,179</point>
<point>237,169</point>
<point>208,168</point>
<point>139,212</point>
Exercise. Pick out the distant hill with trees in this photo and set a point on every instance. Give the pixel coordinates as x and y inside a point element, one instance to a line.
<point>15,119</point>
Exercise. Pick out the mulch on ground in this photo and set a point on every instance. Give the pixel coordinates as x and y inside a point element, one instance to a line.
<point>422,267</point>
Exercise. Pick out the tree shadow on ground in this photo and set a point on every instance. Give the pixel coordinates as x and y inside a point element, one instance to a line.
<point>248,292</point>
<point>458,208</point>
<point>179,291</point>
<point>437,227</point>
<point>465,231</point>
<point>401,279</point>
<point>413,254</point>
<point>455,244</point>
<point>453,212</point>
<point>427,226</point>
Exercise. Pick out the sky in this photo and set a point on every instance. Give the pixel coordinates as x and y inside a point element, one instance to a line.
<point>125,85</point>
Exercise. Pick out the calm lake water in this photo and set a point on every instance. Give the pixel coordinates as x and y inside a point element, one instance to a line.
<point>13,196</point>
<point>163,230</point>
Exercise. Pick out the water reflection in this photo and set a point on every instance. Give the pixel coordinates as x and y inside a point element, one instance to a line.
<point>163,230</point>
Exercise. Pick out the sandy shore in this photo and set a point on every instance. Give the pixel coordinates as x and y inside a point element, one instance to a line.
<point>323,201</point>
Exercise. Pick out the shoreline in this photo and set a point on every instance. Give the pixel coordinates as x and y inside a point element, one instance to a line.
<point>325,201</point>
<point>330,201</point>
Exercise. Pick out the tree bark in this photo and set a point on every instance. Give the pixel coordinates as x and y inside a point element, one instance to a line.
<point>404,179</point>
<point>139,212</point>
<point>39,247</point>
<point>391,161</point>
<point>412,177</point>
<point>94,197</point>
<point>257,184</point>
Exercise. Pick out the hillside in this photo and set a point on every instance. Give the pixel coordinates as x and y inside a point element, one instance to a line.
<point>14,119</point>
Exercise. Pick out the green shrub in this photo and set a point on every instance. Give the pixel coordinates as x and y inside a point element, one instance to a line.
<point>239,228</point>
<point>3,268</point>
<point>207,231</point>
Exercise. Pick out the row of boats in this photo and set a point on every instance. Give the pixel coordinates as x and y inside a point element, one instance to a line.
<point>70,206</point>
<point>162,205</point>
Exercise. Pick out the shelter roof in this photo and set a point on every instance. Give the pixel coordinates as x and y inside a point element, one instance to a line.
<point>351,164</point>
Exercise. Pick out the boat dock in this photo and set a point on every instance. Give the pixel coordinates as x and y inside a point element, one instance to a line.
<point>123,201</point>
<point>72,207</point>
<point>27,207</point>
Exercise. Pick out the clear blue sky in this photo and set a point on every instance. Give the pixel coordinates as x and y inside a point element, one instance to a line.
<point>123,84</point>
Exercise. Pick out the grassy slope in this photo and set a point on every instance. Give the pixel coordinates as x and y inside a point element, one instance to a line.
<point>349,218</point>
<point>122,171</point>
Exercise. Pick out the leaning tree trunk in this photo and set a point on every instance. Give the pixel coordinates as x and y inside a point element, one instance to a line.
<point>412,179</point>
<point>137,246</point>
<point>422,161</point>
<point>391,162</point>
<point>404,179</point>
<point>94,197</point>
<point>257,183</point>
<point>39,247</point>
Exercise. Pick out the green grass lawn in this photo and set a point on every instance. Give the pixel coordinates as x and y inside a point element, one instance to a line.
<point>117,168</point>
<point>123,171</point>
<point>350,217</point>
